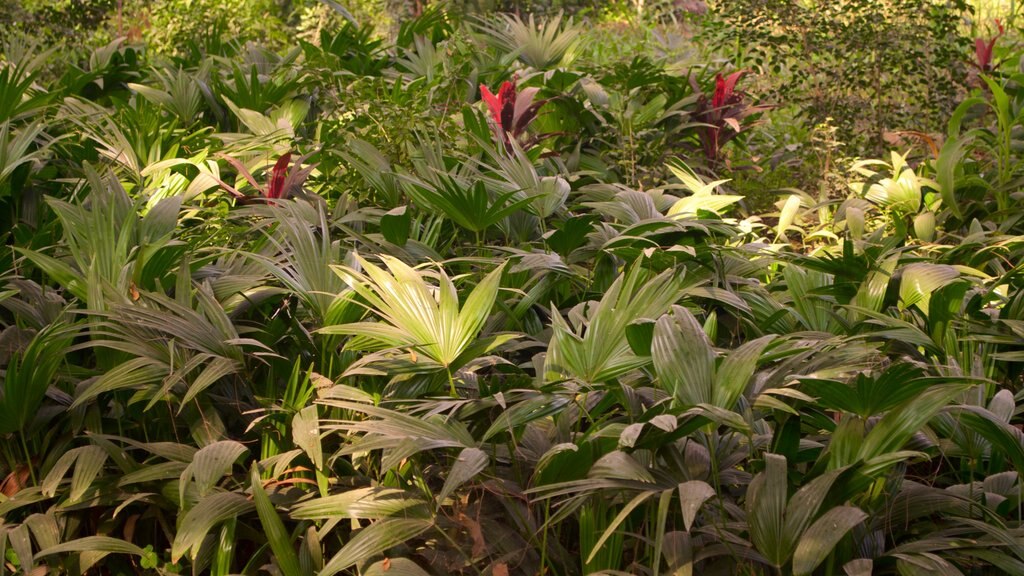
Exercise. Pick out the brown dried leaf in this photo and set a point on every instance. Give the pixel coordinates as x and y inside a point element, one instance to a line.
<point>14,482</point>
<point>475,532</point>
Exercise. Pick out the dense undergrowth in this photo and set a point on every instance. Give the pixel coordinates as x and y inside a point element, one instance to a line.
<point>495,297</point>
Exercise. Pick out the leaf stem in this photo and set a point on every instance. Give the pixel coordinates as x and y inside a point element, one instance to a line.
<point>28,458</point>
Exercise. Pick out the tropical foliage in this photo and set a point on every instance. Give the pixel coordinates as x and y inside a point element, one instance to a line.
<point>479,296</point>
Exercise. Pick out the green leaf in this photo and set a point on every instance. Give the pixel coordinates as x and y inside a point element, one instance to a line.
<point>418,315</point>
<point>87,467</point>
<point>804,505</point>
<point>515,418</point>
<point>735,371</point>
<point>1005,439</point>
<point>692,496</point>
<point>210,464</point>
<point>946,166</point>
<point>859,567</point>
<point>306,435</point>
<point>683,357</point>
<point>766,507</point>
<point>373,540</point>
<point>640,335</point>
<point>920,280</point>
<point>60,469</point>
<point>821,538</point>
<point>363,503</point>
<point>199,520</point>
<point>617,521</point>
<point>94,544</point>
<point>787,216</point>
<point>394,225</point>
<point>30,373</point>
<point>893,431</point>
<point>284,554</point>
<point>471,462</point>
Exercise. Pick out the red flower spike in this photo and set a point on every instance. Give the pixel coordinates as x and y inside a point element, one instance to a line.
<point>277,176</point>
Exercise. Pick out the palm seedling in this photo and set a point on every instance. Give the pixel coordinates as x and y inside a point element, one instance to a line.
<point>541,45</point>
<point>422,328</point>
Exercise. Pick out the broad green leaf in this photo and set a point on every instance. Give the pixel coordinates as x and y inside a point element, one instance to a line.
<point>692,496</point>
<point>471,461</point>
<point>893,431</point>
<point>59,470</point>
<point>1006,439</point>
<point>210,464</point>
<point>87,467</point>
<point>924,226</point>
<point>821,537</point>
<point>859,567</point>
<point>946,166</point>
<point>375,539</point>
<point>804,505</point>
<point>871,293</point>
<point>787,216</point>
<point>683,357</point>
<point>766,507</point>
<point>361,503</point>
<point>920,280</point>
<point>94,544</point>
<point>417,315</point>
<point>202,517</point>
<point>517,417</point>
<point>394,225</point>
<point>306,435</point>
<point>618,520</point>
<point>277,535</point>
<point>735,371</point>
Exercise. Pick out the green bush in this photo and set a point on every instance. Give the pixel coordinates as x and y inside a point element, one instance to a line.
<point>175,24</point>
<point>871,65</point>
<point>451,302</point>
<point>56,20</point>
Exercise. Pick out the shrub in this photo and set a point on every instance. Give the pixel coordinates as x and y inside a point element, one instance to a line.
<point>174,24</point>
<point>54,20</point>
<point>872,65</point>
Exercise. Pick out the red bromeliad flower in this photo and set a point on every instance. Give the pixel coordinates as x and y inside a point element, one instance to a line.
<point>983,49</point>
<point>725,109</point>
<point>511,112</point>
<point>283,182</point>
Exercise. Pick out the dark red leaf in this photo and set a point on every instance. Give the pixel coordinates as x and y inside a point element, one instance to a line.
<point>983,49</point>
<point>507,98</point>
<point>526,117</point>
